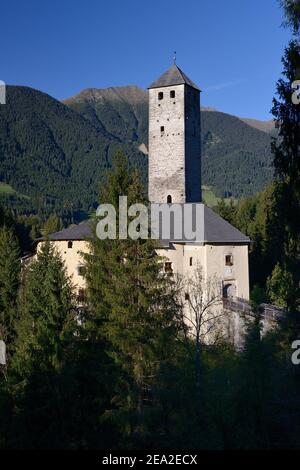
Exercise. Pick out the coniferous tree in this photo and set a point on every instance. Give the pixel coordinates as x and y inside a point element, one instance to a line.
<point>133,306</point>
<point>286,151</point>
<point>45,333</point>
<point>10,266</point>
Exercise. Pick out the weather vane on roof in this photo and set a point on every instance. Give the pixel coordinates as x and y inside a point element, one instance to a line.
<point>174,57</point>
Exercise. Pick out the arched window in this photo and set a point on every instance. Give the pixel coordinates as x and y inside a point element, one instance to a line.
<point>172,94</point>
<point>160,95</point>
<point>70,244</point>
<point>229,291</point>
<point>169,199</point>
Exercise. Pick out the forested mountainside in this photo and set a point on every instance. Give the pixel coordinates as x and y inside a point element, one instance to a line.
<point>237,159</point>
<point>54,155</point>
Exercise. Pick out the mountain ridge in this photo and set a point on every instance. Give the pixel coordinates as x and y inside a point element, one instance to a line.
<point>56,153</point>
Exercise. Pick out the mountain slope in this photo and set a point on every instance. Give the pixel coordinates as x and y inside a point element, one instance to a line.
<point>54,155</point>
<point>265,126</point>
<point>51,153</point>
<point>118,112</point>
<point>237,159</point>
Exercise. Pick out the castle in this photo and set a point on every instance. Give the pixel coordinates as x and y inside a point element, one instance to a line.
<point>175,177</point>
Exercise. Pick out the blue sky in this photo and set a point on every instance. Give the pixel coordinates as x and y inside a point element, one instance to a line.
<point>231,48</point>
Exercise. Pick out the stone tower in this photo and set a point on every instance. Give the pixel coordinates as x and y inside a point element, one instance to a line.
<point>174,139</point>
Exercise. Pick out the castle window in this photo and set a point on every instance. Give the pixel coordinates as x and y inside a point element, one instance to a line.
<point>81,295</point>
<point>162,128</point>
<point>229,291</point>
<point>191,261</point>
<point>160,95</point>
<point>187,296</point>
<point>169,199</point>
<point>228,260</point>
<point>168,267</point>
<point>70,244</point>
<point>81,270</point>
<point>172,94</point>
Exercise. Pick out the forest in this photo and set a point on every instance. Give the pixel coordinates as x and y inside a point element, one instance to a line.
<point>121,372</point>
<point>54,156</point>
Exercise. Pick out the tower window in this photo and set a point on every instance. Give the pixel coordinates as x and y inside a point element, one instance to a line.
<point>162,128</point>
<point>172,94</point>
<point>81,270</point>
<point>160,95</point>
<point>187,296</point>
<point>81,295</point>
<point>70,244</point>
<point>169,199</point>
<point>228,260</point>
<point>191,261</point>
<point>168,267</point>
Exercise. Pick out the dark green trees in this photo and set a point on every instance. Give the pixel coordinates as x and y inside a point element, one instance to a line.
<point>133,307</point>
<point>286,149</point>
<point>10,267</point>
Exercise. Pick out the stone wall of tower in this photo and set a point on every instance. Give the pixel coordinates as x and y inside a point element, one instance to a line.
<point>175,152</point>
<point>192,145</point>
<point>167,148</point>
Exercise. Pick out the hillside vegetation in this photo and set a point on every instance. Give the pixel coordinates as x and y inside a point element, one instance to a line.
<point>57,153</point>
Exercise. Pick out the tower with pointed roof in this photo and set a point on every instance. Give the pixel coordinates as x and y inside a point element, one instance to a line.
<point>174,139</point>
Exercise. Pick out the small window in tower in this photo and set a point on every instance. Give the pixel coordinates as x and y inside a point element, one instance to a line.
<point>228,260</point>
<point>187,296</point>
<point>169,199</point>
<point>160,95</point>
<point>172,94</point>
<point>70,244</point>
<point>162,128</point>
<point>191,261</point>
<point>81,270</point>
<point>168,267</point>
<point>81,295</point>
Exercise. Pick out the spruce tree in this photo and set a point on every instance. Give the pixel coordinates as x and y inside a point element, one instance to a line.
<point>134,307</point>
<point>286,151</point>
<point>10,267</point>
<point>45,334</point>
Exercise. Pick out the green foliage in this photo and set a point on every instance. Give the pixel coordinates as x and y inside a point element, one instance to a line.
<point>134,306</point>
<point>10,267</point>
<point>52,224</point>
<point>236,160</point>
<point>47,319</point>
<point>280,287</point>
<point>292,14</point>
<point>287,165</point>
<point>54,156</point>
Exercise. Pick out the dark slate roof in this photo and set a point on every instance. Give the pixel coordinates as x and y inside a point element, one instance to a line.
<point>218,230</point>
<point>215,230</point>
<point>173,76</point>
<point>82,231</point>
